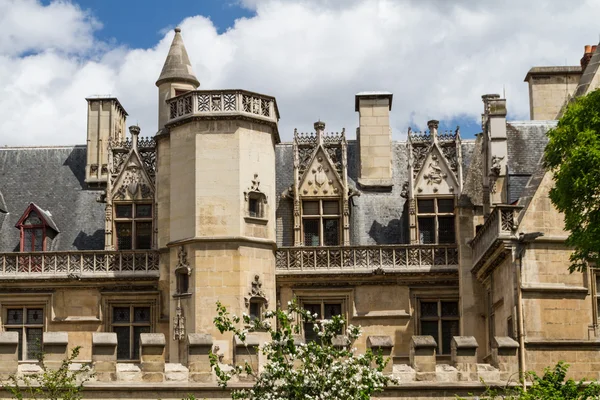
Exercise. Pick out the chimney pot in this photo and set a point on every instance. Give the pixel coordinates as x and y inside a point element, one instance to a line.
<point>594,47</point>
<point>587,49</point>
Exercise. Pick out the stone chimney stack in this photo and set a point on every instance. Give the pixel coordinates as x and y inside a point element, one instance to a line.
<point>587,56</point>
<point>495,148</point>
<point>106,121</point>
<point>374,140</point>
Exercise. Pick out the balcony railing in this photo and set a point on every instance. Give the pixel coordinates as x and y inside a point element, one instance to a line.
<point>211,103</point>
<point>366,258</point>
<point>499,225</point>
<point>93,264</point>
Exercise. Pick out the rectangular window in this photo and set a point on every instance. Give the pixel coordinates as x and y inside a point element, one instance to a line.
<point>128,322</point>
<point>321,222</point>
<point>28,322</point>
<point>435,221</point>
<point>133,226</point>
<point>440,319</point>
<point>323,310</point>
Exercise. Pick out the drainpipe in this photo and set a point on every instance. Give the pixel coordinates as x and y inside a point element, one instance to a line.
<point>524,239</point>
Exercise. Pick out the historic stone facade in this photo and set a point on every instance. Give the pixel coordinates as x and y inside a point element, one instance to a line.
<point>446,250</point>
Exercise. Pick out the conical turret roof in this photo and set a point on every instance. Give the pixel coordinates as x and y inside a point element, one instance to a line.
<point>177,65</point>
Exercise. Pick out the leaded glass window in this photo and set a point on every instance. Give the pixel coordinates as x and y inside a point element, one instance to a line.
<point>128,322</point>
<point>321,222</point>
<point>324,310</point>
<point>435,221</point>
<point>133,226</point>
<point>28,322</point>
<point>440,319</point>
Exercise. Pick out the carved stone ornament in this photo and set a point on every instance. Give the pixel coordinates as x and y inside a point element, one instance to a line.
<point>179,322</point>
<point>404,191</point>
<point>435,174</point>
<point>256,292</point>
<point>496,165</point>
<point>320,179</point>
<point>182,261</point>
<point>254,188</point>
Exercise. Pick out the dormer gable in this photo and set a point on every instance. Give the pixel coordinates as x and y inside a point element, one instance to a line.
<point>320,179</point>
<point>37,229</point>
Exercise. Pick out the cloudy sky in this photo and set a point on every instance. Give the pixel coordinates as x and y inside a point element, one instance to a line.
<point>437,57</point>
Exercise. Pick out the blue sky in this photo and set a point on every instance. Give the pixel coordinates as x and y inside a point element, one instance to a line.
<point>437,57</point>
<point>141,23</point>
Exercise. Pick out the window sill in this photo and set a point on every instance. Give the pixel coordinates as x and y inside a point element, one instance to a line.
<point>383,314</point>
<point>256,220</point>
<point>182,295</point>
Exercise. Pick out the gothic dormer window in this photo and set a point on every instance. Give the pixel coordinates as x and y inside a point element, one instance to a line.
<point>320,191</point>
<point>37,229</point>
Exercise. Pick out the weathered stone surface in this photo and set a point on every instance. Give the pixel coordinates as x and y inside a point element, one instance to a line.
<point>128,372</point>
<point>152,339</point>
<point>419,342</point>
<point>199,339</point>
<point>504,342</point>
<point>464,342</point>
<point>55,338</point>
<point>104,339</point>
<point>379,341</point>
<point>446,373</point>
<point>176,372</point>
<point>9,338</point>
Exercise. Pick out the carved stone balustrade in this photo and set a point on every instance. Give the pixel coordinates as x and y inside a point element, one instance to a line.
<point>499,226</point>
<point>384,258</point>
<point>79,264</point>
<point>223,103</point>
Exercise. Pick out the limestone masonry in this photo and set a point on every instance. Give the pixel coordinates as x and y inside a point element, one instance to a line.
<point>447,251</point>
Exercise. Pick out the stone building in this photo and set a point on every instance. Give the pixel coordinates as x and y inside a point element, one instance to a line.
<point>446,250</point>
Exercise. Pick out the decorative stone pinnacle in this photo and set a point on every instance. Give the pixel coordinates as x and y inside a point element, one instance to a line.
<point>319,126</point>
<point>433,124</point>
<point>177,30</point>
<point>134,130</point>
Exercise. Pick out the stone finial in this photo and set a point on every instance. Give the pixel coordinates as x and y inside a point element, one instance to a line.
<point>177,30</point>
<point>319,126</point>
<point>135,133</point>
<point>433,128</point>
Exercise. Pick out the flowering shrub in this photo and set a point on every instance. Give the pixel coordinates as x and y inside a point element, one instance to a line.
<point>330,369</point>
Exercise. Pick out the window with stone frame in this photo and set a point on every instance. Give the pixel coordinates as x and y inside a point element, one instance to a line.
<point>133,226</point>
<point>321,222</point>
<point>435,221</point>
<point>596,275</point>
<point>324,309</point>
<point>129,322</point>
<point>256,307</point>
<point>440,319</point>
<point>28,322</point>
<point>256,205</point>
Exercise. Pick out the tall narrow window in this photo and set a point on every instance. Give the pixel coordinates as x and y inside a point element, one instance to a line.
<point>28,322</point>
<point>321,222</point>
<point>128,322</point>
<point>439,318</point>
<point>133,226</point>
<point>435,218</point>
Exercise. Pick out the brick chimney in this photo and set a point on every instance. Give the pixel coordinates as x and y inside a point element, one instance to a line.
<point>587,56</point>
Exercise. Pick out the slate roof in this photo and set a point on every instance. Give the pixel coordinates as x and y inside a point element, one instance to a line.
<point>526,141</point>
<point>375,217</point>
<point>53,179</point>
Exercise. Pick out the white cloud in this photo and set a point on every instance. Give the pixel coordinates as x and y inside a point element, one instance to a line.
<point>437,57</point>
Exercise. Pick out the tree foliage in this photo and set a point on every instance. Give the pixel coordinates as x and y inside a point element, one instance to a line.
<point>573,153</point>
<point>298,371</point>
<point>64,383</point>
<point>550,386</point>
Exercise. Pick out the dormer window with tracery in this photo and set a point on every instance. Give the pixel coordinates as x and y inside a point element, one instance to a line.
<point>435,181</point>
<point>320,191</point>
<point>130,206</point>
<point>37,229</point>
